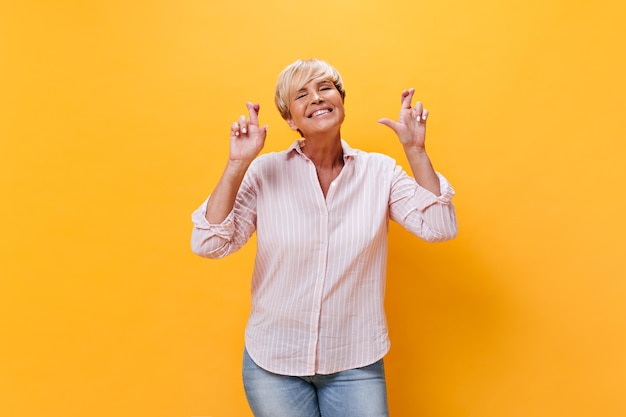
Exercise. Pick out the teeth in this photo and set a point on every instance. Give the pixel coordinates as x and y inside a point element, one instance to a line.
<point>317,113</point>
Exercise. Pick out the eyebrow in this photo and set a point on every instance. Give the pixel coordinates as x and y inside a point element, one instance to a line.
<point>323,81</point>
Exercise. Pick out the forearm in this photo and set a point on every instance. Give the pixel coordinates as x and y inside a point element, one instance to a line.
<point>223,196</point>
<point>422,169</point>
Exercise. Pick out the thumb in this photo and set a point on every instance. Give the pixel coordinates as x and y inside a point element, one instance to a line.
<point>263,132</point>
<point>389,123</point>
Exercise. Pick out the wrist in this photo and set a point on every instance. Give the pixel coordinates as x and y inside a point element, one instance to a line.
<point>418,151</point>
<point>237,166</point>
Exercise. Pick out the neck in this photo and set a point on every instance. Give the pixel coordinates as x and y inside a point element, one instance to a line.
<point>324,154</point>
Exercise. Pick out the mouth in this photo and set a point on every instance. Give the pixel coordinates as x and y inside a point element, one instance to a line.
<point>319,112</point>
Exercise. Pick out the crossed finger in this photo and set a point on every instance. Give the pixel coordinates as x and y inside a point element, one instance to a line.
<point>418,112</point>
<point>242,126</point>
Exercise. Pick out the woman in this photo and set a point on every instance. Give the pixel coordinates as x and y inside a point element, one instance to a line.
<point>317,332</point>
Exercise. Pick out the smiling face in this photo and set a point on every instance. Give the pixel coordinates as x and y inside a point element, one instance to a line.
<point>316,107</point>
<point>306,80</point>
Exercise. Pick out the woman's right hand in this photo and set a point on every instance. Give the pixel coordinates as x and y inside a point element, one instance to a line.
<point>246,137</point>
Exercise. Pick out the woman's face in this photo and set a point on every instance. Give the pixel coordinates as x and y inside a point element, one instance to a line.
<point>316,108</point>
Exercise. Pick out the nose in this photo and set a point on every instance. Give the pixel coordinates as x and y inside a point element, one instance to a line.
<point>317,98</point>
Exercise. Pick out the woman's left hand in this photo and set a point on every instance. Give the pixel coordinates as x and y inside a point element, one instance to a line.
<point>411,125</point>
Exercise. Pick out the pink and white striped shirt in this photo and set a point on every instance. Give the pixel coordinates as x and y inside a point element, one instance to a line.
<point>319,275</point>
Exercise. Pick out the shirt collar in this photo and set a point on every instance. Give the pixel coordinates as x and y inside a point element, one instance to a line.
<point>348,152</point>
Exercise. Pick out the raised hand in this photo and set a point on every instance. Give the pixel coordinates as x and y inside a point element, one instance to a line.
<point>246,141</point>
<point>411,125</point>
<point>246,137</point>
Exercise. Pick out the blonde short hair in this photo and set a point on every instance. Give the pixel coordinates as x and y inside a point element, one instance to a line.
<point>296,75</point>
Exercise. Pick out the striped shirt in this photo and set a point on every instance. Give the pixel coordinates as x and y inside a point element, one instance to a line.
<point>319,274</point>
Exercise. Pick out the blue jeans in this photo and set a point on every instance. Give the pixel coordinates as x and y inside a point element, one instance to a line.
<point>357,392</point>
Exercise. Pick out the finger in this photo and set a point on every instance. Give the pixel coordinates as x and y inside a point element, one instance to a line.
<point>389,123</point>
<point>407,96</point>
<point>264,132</point>
<point>243,125</point>
<point>418,108</point>
<point>234,129</point>
<point>262,135</point>
<point>253,110</point>
<point>424,115</point>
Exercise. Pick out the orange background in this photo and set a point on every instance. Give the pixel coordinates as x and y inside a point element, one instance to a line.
<point>114,123</point>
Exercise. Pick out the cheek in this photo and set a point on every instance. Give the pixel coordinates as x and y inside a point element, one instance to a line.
<point>340,107</point>
<point>295,109</point>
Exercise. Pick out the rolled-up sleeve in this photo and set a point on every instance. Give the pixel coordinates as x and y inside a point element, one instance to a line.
<point>421,212</point>
<point>218,240</point>
<point>207,239</point>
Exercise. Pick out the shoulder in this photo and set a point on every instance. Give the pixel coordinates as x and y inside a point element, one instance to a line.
<point>374,161</point>
<point>362,157</point>
<point>268,166</point>
<point>270,159</point>
<point>379,158</point>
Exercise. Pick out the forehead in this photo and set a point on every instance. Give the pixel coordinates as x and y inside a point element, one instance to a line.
<point>313,82</point>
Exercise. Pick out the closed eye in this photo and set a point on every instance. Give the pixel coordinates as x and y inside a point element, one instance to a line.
<point>326,85</point>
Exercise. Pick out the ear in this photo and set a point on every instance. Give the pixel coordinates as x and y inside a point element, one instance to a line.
<point>291,124</point>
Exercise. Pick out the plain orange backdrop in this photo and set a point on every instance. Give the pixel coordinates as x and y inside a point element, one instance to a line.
<point>114,123</point>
